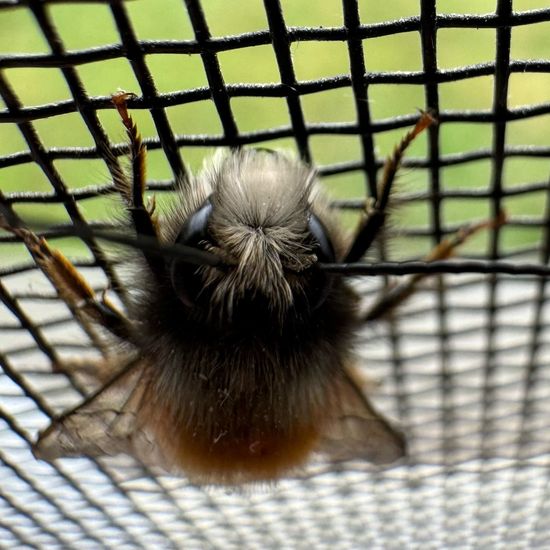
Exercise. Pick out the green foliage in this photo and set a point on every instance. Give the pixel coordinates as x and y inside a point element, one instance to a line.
<point>91,25</point>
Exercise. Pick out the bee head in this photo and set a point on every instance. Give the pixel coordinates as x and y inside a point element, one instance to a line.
<point>258,218</point>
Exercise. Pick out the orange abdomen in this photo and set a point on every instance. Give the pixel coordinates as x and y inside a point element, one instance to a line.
<point>250,453</point>
<point>228,460</point>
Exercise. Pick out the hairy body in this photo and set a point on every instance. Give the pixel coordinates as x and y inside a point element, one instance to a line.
<point>254,375</point>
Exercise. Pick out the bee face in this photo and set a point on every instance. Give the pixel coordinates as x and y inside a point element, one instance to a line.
<point>259,217</point>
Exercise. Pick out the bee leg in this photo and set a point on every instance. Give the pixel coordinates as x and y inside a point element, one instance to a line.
<point>72,288</point>
<point>395,296</point>
<point>371,224</point>
<point>143,216</point>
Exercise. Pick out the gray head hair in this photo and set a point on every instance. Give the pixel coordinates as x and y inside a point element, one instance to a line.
<point>261,202</point>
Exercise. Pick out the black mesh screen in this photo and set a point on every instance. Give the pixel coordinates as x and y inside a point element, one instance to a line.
<point>463,366</point>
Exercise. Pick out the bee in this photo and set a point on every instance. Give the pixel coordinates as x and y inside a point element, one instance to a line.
<point>234,361</point>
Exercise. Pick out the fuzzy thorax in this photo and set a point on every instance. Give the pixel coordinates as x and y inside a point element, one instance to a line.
<point>259,225</point>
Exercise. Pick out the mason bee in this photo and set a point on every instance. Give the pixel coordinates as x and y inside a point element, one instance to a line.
<point>234,361</point>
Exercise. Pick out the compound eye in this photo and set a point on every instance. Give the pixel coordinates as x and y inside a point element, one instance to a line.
<point>185,281</point>
<point>195,229</point>
<point>320,283</point>
<point>324,250</point>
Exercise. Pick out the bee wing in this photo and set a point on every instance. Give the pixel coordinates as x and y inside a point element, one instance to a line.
<point>360,431</point>
<point>106,423</point>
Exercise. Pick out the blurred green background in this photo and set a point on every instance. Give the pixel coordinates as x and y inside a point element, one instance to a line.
<point>87,25</point>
